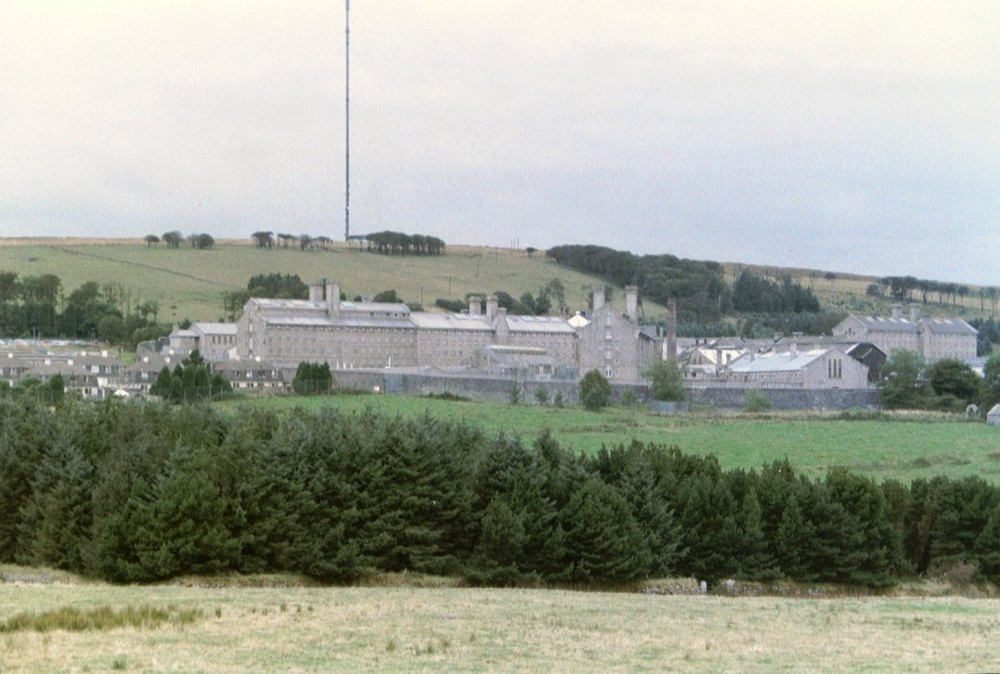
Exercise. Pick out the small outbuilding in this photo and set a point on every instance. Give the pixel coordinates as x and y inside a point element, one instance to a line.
<point>993,418</point>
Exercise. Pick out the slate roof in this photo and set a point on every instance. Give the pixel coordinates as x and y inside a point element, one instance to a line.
<point>215,328</point>
<point>938,326</point>
<point>951,326</point>
<point>549,324</point>
<point>776,362</point>
<point>449,321</point>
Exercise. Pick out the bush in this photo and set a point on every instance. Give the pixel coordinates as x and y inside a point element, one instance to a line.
<point>313,378</point>
<point>756,402</point>
<point>595,391</point>
<point>668,382</point>
<point>542,395</point>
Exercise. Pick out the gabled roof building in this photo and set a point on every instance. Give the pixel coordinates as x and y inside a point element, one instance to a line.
<point>931,338</point>
<point>822,368</point>
<point>349,335</point>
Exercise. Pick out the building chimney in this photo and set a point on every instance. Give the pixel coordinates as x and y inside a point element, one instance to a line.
<point>897,311</point>
<point>914,313</point>
<point>491,307</point>
<point>333,299</point>
<point>475,305</point>
<point>598,297</point>
<point>794,349</point>
<point>632,303</point>
<point>315,293</point>
<point>671,331</point>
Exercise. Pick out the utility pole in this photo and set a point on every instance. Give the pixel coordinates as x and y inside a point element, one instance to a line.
<point>347,120</point>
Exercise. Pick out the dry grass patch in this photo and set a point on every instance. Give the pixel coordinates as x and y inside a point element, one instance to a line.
<point>450,629</point>
<point>72,619</point>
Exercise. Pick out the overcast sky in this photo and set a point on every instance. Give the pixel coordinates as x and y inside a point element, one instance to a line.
<point>853,136</point>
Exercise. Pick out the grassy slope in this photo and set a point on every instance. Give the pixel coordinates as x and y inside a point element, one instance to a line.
<point>190,283</point>
<point>903,449</point>
<point>847,293</point>
<point>446,630</point>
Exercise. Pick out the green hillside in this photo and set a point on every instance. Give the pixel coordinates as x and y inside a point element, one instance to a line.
<point>190,283</point>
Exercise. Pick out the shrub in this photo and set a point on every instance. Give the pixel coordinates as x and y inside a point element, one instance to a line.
<point>313,378</point>
<point>756,402</point>
<point>668,382</point>
<point>595,391</point>
<point>542,395</point>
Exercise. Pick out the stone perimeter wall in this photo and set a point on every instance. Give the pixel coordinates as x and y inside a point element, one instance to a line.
<point>498,389</point>
<point>788,398</point>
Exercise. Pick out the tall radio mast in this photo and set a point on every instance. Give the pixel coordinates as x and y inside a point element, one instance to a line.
<point>347,121</point>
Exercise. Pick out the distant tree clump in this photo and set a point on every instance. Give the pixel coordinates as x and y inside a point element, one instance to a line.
<point>397,243</point>
<point>173,239</point>
<point>388,296</point>
<point>278,286</point>
<point>263,239</point>
<point>191,380</point>
<point>454,306</point>
<point>313,379</point>
<point>595,391</point>
<point>201,241</point>
<point>753,293</point>
<point>699,287</point>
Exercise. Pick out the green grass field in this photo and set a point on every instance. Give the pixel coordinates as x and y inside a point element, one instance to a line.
<point>190,283</point>
<point>903,448</point>
<point>408,629</point>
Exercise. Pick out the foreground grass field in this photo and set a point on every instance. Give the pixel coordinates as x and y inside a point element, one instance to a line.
<point>897,447</point>
<point>303,629</point>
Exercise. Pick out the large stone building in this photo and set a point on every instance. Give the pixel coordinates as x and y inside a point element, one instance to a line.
<point>613,342</point>
<point>355,335</point>
<point>931,338</point>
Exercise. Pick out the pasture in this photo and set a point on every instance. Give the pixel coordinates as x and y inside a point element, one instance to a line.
<point>189,283</point>
<point>450,629</point>
<point>895,446</point>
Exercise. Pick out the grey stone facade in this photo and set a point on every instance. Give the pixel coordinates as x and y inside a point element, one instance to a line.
<point>931,338</point>
<point>613,344</point>
<point>365,335</point>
